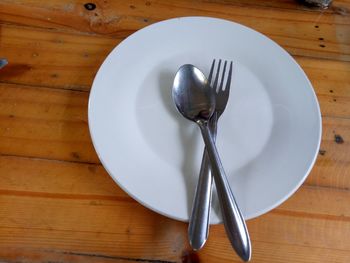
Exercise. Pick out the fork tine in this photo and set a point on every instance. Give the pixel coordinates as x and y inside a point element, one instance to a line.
<point>229,77</point>
<point>211,71</point>
<point>217,76</point>
<point>223,76</point>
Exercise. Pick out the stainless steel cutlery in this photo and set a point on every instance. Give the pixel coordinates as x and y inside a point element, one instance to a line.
<point>203,103</point>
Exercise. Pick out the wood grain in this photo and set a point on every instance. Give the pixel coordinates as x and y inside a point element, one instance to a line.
<point>332,168</point>
<point>296,223</point>
<point>56,179</point>
<point>331,81</point>
<point>45,123</point>
<point>118,228</point>
<point>44,255</point>
<point>112,18</point>
<point>82,54</point>
<point>74,63</point>
<point>79,56</point>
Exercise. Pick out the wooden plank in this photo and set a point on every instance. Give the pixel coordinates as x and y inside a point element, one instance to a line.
<point>80,58</point>
<point>20,255</point>
<point>50,58</point>
<point>285,4</point>
<point>332,167</point>
<point>306,203</point>
<point>74,65</point>
<point>126,229</point>
<point>331,81</point>
<point>265,252</point>
<point>73,16</point>
<point>45,123</point>
<point>109,17</point>
<point>81,55</point>
<point>56,179</point>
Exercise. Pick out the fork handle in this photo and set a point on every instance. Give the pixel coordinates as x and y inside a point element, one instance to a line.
<point>198,229</point>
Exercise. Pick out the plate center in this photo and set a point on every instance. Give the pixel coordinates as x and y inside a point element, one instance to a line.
<point>243,130</point>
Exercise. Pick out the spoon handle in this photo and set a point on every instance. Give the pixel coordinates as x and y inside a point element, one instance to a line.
<point>198,228</point>
<point>235,226</point>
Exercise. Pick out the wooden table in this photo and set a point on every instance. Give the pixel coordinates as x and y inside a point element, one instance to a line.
<point>58,204</point>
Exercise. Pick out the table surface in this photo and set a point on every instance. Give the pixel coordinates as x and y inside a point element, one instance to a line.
<point>58,204</point>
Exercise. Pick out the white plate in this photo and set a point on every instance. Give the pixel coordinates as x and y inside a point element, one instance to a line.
<point>268,136</point>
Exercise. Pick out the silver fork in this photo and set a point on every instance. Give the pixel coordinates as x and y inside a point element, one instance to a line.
<point>199,222</point>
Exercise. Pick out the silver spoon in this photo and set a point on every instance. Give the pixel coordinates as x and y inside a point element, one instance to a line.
<point>195,100</point>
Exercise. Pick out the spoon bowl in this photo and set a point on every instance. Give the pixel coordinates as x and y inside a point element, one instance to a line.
<point>193,97</point>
